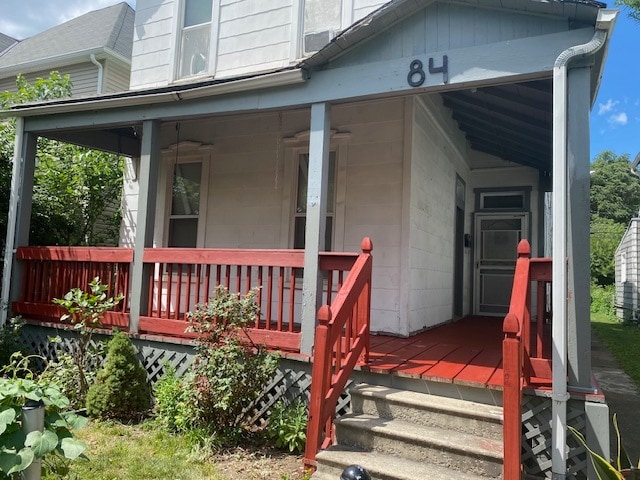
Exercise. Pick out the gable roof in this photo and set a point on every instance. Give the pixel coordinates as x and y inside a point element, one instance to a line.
<point>5,42</point>
<point>107,29</point>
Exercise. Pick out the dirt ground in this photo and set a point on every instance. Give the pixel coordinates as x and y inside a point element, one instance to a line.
<point>259,464</point>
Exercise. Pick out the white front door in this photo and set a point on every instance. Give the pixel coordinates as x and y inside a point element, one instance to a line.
<point>496,241</point>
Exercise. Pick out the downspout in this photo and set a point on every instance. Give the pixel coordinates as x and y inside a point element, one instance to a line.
<point>92,57</point>
<point>560,395</point>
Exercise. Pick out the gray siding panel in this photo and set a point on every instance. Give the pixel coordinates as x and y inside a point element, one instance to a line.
<point>84,77</point>
<point>116,77</point>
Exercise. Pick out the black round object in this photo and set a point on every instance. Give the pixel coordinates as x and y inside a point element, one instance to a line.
<point>355,472</point>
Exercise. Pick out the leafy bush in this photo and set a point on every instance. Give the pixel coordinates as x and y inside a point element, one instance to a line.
<point>288,426</point>
<point>229,372</point>
<point>10,340</point>
<point>121,390</point>
<point>227,375</point>
<point>55,446</point>
<point>85,311</point>
<point>602,299</point>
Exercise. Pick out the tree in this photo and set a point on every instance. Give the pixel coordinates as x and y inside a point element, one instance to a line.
<point>615,192</point>
<point>633,6</point>
<point>605,237</point>
<point>615,198</point>
<point>74,188</point>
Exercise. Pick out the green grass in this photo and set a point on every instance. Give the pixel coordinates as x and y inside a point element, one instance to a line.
<point>126,452</point>
<point>622,341</point>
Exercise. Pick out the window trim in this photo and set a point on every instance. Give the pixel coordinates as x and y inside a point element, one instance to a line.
<point>176,54</point>
<point>294,147</point>
<point>183,152</point>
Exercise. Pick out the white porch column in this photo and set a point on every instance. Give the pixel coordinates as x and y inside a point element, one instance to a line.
<point>148,179</point>
<point>316,220</point>
<point>19,218</point>
<point>578,215</point>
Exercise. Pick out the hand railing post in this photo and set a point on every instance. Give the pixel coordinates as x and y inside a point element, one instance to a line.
<point>319,376</point>
<point>512,365</point>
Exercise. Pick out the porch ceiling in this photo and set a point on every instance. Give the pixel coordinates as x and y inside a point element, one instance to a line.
<point>513,122</point>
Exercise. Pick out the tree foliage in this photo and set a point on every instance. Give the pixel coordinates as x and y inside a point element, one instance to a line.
<point>615,192</point>
<point>633,7</point>
<point>615,198</point>
<point>74,188</point>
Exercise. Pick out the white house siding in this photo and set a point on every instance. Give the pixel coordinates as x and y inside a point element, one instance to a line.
<point>438,150</point>
<point>362,8</point>
<point>253,36</point>
<point>626,295</point>
<point>153,43</point>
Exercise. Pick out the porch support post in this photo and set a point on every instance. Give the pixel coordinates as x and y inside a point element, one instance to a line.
<point>578,183</point>
<point>316,220</point>
<point>19,217</point>
<point>148,178</point>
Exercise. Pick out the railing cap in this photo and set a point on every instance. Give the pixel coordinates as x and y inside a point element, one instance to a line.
<point>524,249</point>
<point>511,325</point>
<point>366,245</point>
<point>324,314</point>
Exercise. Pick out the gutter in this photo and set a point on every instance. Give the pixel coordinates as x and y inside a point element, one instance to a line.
<point>604,25</point>
<point>136,98</point>
<point>92,57</point>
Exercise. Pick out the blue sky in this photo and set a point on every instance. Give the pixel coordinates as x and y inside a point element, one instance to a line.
<point>615,118</point>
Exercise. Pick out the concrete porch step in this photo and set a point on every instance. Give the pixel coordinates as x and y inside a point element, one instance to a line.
<point>429,410</point>
<point>455,450</point>
<point>381,466</point>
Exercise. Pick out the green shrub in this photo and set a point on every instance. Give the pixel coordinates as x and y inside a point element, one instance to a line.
<point>288,426</point>
<point>121,390</point>
<point>10,340</point>
<point>602,299</point>
<point>171,409</point>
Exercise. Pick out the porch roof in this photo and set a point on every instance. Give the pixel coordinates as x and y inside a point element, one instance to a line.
<point>500,117</point>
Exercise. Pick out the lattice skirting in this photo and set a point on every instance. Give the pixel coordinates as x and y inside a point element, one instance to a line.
<point>291,381</point>
<point>536,438</point>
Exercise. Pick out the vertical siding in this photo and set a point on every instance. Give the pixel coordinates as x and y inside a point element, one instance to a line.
<point>153,43</point>
<point>116,77</point>
<point>436,157</point>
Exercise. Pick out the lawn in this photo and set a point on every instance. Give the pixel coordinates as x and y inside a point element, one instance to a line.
<point>622,341</point>
<point>135,452</point>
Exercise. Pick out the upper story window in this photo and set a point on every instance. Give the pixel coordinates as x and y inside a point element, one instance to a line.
<point>195,38</point>
<point>322,20</point>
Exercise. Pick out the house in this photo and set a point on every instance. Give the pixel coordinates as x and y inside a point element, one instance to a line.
<point>94,49</point>
<point>626,258</point>
<point>269,138</point>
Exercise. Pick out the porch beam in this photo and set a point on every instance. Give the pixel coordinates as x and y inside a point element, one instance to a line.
<point>316,221</point>
<point>477,66</point>
<point>148,178</point>
<point>19,216</point>
<point>578,214</point>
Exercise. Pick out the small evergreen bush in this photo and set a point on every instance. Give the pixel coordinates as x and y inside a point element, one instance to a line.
<point>121,390</point>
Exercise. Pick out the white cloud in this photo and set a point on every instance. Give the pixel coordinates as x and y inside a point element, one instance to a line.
<point>618,119</point>
<point>607,107</point>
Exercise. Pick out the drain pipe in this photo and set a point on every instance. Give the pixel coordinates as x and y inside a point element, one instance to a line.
<point>93,59</point>
<point>560,395</point>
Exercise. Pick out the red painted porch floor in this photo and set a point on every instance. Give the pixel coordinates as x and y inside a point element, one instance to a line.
<point>466,352</point>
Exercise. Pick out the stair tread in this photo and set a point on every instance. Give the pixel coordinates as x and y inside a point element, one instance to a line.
<point>464,408</point>
<point>405,431</point>
<point>381,465</point>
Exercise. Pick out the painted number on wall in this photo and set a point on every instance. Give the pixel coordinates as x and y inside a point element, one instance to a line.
<point>417,75</point>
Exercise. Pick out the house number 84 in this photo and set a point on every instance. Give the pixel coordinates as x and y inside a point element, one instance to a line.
<point>417,75</point>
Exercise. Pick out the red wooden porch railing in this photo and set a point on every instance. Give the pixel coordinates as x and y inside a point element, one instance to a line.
<point>181,278</point>
<point>50,272</point>
<point>525,357</point>
<point>341,340</point>
<point>185,277</point>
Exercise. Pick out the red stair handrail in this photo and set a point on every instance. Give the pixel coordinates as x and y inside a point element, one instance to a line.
<point>341,341</point>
